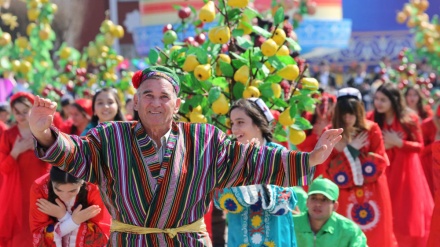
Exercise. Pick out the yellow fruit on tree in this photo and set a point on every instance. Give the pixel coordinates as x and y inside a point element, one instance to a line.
<point>16,65</point>
<point>221,57</point>
<point>207,12</point>
<point>269,48</point>
<point>118,31</point>
<point>44,64</point>
<point>238,3</point>
<point>119,58</point>
<point>44,33</point>
<point>276,88</point>
<point>290,72</point>
<point>190,63</point>
<point>202,72</point>
<point>30,59</point>
<point>219,35</point>
<point>22,42</point>
<point>195,117</point>
<point>65,52</point>
<point>256,83</point>
<point>245,25</point>
<point>310,83</point>
<point>197,109</point>
<point>54,8</point>
<point>283,51</point>
<point>109,39</point>
<point>63,78</point>
<point>296,136</point>
<point>270,67</point>
<point>228,122</point>
<point>251,92</point>
<point>33,4</point>
<point>107,26</point>
<point>30,27</point>
<point>33,14</point>
<point>5,39</point>
<point>221,105</point>
<point>285,119</point>
<point>92,80</point>
<point>242,74</point>
<point>92,51</point>
<point>279,36</point>
<point>25,67</point>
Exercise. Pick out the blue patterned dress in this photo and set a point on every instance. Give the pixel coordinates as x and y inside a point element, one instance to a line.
<point>259,215</point>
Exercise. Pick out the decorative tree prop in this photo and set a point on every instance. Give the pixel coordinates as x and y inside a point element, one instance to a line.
<point>406,75</point>
<point>231,58</point>
<point>31,57</point>
<point>426,31</point>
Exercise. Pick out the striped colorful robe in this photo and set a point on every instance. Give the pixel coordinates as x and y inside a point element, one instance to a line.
<point>118,157</point>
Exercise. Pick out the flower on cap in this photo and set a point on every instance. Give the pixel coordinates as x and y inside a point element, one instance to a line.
<point>26,95</point>
<point>136,79</point>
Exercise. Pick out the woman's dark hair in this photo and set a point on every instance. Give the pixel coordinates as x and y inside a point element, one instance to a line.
<point>59,176</point>
<point>74,129</point>
<point>23,100</point>
<point>420,109</point>
<point>64,103</point>
<point>347,105</point>
<point>119,116</point>
<point>398,106</point>
<point>256,114</point>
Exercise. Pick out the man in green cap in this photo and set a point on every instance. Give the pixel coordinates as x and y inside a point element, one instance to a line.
<point>320,225</point>
<point>157,176</point>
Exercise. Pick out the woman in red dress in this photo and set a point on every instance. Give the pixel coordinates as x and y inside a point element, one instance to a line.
<point>414,100</point>
<point>411,199</point>
<point>320,120</point>
<point>19,167</point>
<point>67,212</point>
<point>357,165</point>
<point>434,234</point>
<point>80,114</point>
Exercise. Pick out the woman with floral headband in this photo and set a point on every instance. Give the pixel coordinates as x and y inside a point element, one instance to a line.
<point>18,169</point>
<point>258,215</point>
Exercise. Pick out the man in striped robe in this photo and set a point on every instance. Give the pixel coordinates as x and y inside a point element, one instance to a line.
<point>157,176</point>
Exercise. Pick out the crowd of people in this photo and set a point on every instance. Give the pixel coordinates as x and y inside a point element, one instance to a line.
<point>100,173</point>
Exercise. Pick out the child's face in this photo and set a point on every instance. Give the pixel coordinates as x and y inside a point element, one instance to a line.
<point>4,116</point>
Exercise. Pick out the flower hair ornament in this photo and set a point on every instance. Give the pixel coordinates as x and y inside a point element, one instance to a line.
<point>156,71</point>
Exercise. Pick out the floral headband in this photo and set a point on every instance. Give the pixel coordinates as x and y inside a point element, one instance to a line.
<point>156,71</point>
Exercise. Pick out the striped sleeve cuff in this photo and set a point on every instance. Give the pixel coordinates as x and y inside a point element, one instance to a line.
<point>297,168</point>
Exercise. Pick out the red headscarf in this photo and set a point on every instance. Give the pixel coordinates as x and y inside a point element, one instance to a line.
<point>26,95</point>
<point>86,105</point>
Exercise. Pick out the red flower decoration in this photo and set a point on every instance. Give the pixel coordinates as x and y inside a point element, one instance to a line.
<point>136,79</point>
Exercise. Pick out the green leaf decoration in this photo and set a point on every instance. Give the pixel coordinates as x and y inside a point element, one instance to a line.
<point>279,16</point>
<point>261,31</point>
<point>214,94</point>
<point>238,90</point>
<point>226,69</point>
<point>243,42</point>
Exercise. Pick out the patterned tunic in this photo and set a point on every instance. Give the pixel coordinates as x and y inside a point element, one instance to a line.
<point>259,215</point>
<point>118,157</point>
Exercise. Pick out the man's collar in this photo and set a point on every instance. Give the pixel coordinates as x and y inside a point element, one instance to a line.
<point>329,226</point>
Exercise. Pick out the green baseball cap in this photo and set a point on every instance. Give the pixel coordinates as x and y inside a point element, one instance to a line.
<point>324,186</point>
